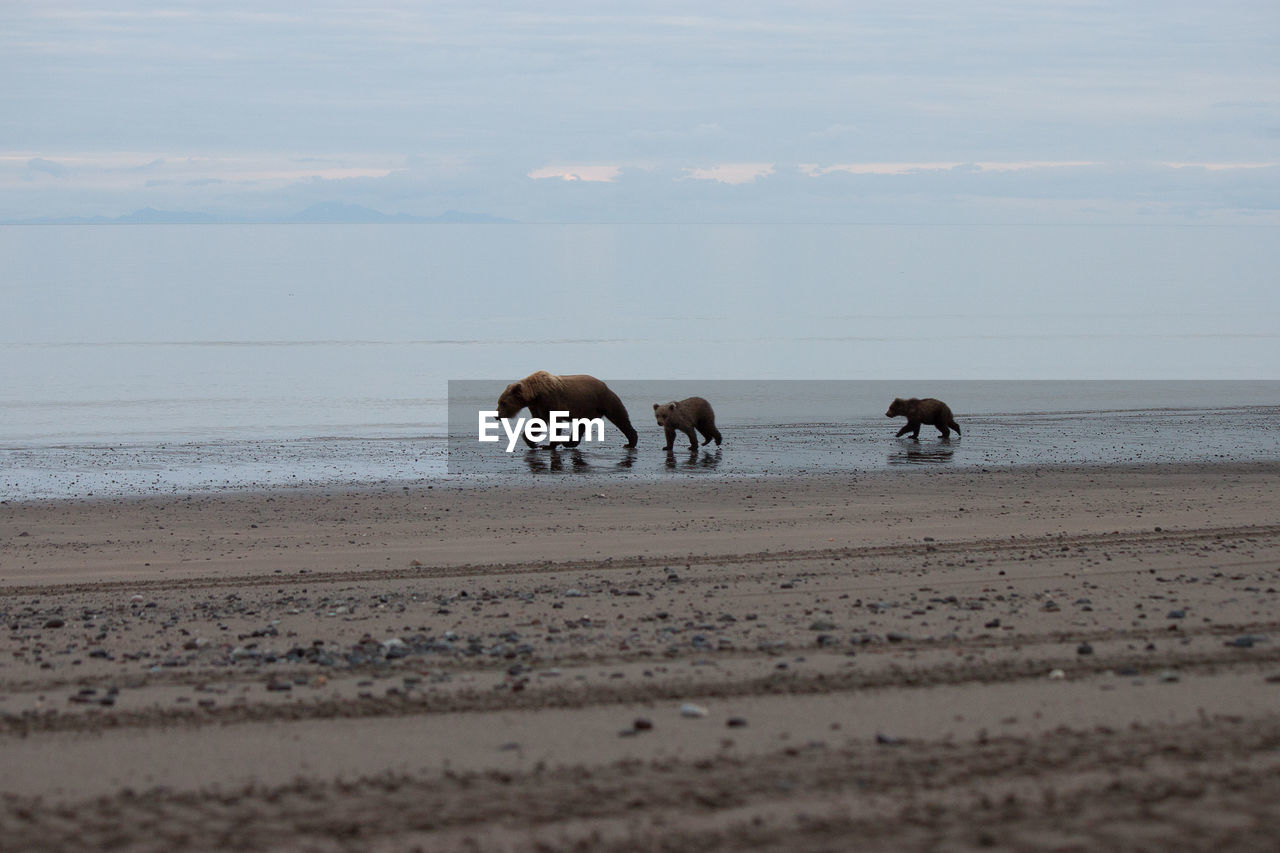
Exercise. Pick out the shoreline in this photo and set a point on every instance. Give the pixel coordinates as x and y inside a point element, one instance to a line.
<point>585,481</point>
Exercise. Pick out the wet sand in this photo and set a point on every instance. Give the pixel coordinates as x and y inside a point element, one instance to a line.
<point>912,659</point>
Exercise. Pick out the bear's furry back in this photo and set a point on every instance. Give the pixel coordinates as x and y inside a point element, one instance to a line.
<point>540,382</point>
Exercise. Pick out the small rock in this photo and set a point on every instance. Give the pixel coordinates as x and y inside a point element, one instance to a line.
<point>888,740</point>
<point>242,653</point>
<point>736,722</point>
<point>573,593</point>
<point>1169,676</point>
<point>642,725</point>
<point>1057,675</point>
<point>54,623</point>
<point>822,625</point>
<point>1177,614</point>
<point>1245,642</point>
<point>1084,649</point>
<point>688,709</point>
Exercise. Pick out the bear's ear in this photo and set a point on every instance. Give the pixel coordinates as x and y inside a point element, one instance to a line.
<point>517,389</point>
<point>655,405</point>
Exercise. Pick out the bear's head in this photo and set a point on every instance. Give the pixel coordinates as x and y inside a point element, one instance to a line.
<point>512,400</point>
<point>896,408</point>
<point>662,411</point>
<point>538,384</point>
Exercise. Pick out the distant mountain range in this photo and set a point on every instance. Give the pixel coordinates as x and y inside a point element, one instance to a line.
<point>327,213</point>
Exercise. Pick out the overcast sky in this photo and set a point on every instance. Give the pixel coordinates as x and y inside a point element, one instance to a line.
<point>646,111</point>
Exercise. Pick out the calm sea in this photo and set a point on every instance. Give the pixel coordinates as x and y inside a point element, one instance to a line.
<point>170,358</point>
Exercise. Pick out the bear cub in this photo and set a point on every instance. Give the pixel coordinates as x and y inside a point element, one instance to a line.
<point>927,411</point>
<point>687,415</point>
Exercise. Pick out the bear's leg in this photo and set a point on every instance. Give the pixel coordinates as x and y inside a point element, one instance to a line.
<point>906,429</point>
<point>709,431</point>
<point>671,437</point>
<point>955,426</point>
<point>633,437</point>
<point>693,438</point>
<point>942,428</point>
<point>915,430</point>
<point>616,413</point>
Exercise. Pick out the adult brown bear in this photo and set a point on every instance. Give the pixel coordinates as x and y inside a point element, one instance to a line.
<point>927,411</point>
<point>687,415</point>
<point>580,395</point>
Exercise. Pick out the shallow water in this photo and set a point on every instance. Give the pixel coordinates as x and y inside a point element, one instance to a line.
<point>865,444</point>
<point>752,448</point>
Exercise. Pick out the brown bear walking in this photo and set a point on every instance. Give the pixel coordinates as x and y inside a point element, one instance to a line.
<point>580,395</point>
<point>687,415</point>
<point>926,411</point>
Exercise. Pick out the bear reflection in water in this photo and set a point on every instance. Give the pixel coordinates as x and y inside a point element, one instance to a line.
<point>694,458</point>
<point>910,453</point>
<point>571,460</point>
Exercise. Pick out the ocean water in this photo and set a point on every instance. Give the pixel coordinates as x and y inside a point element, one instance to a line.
<point>170,358</point>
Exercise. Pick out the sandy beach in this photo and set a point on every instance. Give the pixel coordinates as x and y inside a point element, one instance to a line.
<point>927,659</point>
